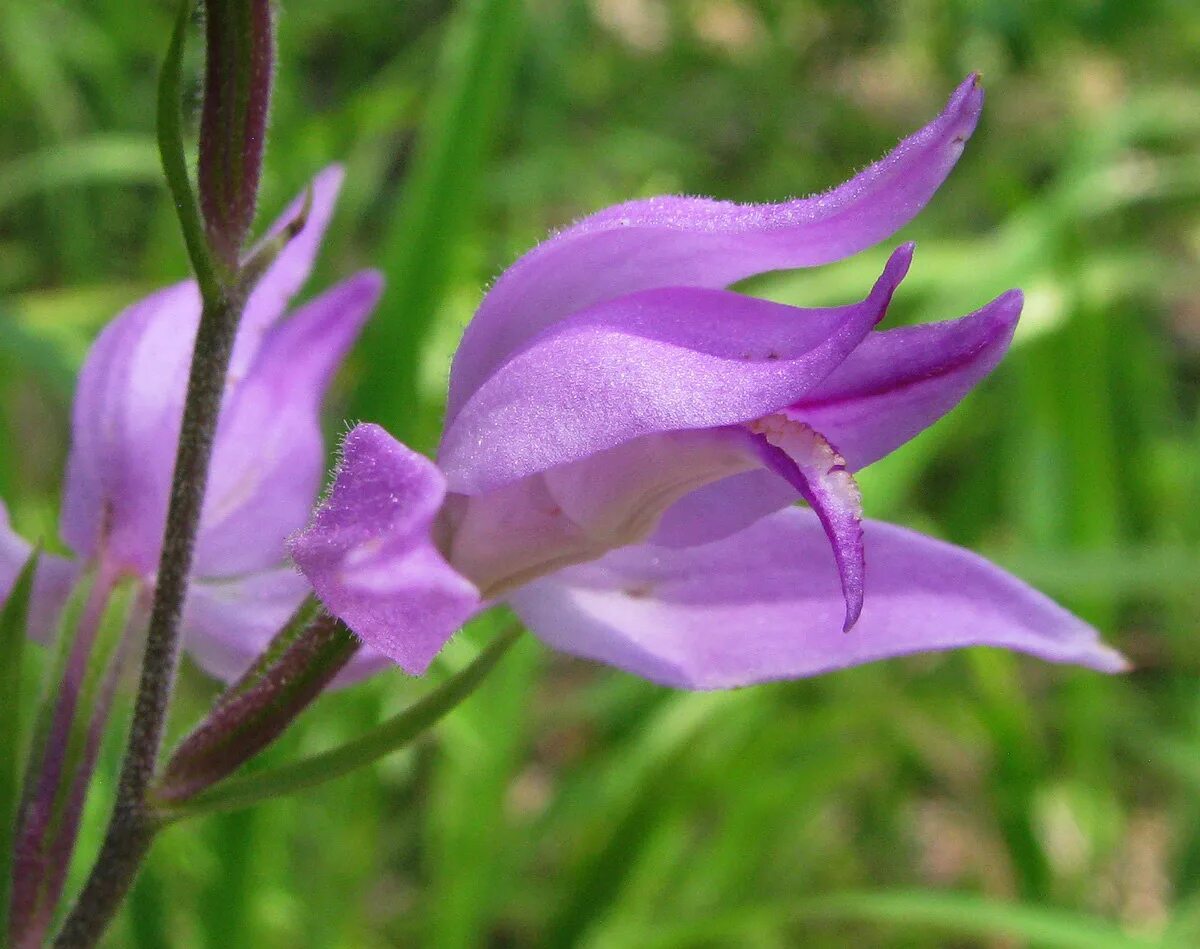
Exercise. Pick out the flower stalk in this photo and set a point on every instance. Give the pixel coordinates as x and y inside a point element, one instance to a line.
<point>133,823</point>
<point>384,739</point>
<point>304,658</point>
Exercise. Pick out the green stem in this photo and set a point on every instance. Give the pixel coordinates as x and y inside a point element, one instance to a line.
<point>174,162</point>
<point>367,749</point>
<point>133,823</point>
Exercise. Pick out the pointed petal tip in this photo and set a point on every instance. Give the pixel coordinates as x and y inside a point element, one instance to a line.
<point>369,284</point>
<point>966,102</point>
<point>1012,301</point>
<point>330,178</point>
<point>893,275</point>
<point>1107,659</point>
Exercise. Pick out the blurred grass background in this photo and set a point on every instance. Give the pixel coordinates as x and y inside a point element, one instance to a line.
<point>973,799</point>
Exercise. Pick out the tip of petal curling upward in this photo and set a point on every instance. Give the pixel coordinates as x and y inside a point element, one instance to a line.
<point>370,556</point>
<point>893,275</point>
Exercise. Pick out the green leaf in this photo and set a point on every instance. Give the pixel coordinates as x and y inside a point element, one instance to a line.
<point>124,159</point>
<point>379,742</point>
<point>14,618</point>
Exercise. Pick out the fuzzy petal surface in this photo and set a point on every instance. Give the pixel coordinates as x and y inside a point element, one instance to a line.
<point>269,457</point>
<point>766,604</point>
<point>657,361</point>
<point>369,554</point>
<point>698,242</point>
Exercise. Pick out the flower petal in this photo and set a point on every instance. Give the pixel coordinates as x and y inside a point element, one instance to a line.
<point>662,360</point>
<point>125,426</point>
<point>229,623</point>
<point>288,273</point>
<point>765,604</point>
<point>51,585</point>
<point>129,400</point>
<point>725,507</point>
<point>806,460</point>
<point>370,556</point>
<point>901,381</point>
<point>579,511</point>
<point>697,242</point>
<point>269,456</point>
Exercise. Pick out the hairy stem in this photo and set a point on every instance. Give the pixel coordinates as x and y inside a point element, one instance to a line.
<point>133,822</point>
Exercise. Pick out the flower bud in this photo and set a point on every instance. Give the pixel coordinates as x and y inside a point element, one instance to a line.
<point>233,123</point>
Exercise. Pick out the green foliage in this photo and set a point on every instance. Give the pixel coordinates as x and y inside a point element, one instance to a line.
<point>974,798</point>
<point>14,615</point>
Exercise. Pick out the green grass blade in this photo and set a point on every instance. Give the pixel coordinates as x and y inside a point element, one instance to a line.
<point>381,741</point>
<point>956,914</point>
<point>120,159</point>
<point>13,619</point>
<point>420,251</point>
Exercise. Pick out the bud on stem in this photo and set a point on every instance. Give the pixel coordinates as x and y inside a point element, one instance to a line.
<point>233,124</point>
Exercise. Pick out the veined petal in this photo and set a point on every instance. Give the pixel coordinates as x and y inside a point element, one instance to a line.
<point>269,455</point>
<point>288,273</point>
<point>369,554</point>
<point>766,604</point>
<point>696,242</point>
<point>900,381</point>
<point>125,426</point>
<point>657,361</point>
<point>228,623</point>
<point>51,585</point>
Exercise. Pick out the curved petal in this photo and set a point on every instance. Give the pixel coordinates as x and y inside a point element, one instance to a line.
<point>662,360</point>
<point>765,604</point>
<point>806,460</point>
<point>269,455</point>
<point>51,585</point>
<point>370,556</point>
<point>287,274</point>
<point>697,242</point>
<point>229,623</point>
<point>125,426</point>
<point>901,381</point>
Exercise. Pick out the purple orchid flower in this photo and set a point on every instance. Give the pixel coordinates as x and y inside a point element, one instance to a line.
<point>268,459</point>
<point>626,440</point>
